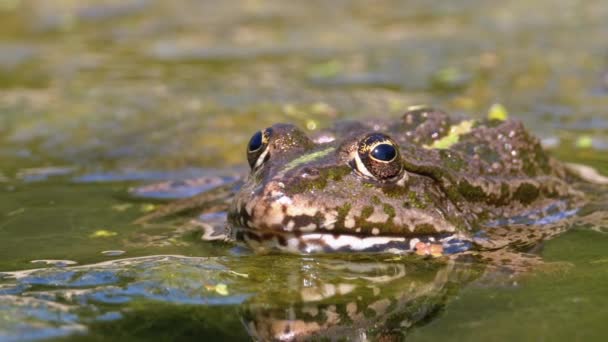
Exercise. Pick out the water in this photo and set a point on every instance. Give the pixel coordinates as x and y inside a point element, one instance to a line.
<point>96,98</point>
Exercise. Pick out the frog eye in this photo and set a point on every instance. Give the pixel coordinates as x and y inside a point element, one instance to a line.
<point>257,151</point>
<point>255,143</point>
<point>378,157</point>
<point>384,153</point>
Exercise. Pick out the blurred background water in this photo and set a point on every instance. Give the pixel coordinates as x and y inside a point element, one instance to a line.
<point>100,95</point>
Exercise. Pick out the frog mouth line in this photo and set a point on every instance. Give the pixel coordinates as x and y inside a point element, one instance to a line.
<point>312,243</point>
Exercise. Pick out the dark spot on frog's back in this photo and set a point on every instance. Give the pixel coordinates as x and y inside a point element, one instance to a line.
<point>367,212</point>
<point>389,210</point>
<point>473,193</point>
<point>342,212</point>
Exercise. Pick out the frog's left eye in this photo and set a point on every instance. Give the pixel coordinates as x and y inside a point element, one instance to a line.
<point>257,149</point>
<point>255,143</point>
<point>378,157</point>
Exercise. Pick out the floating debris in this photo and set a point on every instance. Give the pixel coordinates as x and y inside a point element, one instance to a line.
<point>221,289</point>
<point>53,262</point>
<point>114,252</point>
<point>244,275</point>
<point>16,212</point>
<point>102,233</point>
<point>146,208</point>
<point>122,207</point>
<point>43,173</point>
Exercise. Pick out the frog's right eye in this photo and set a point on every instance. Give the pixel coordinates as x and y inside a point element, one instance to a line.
<point>257,149</point>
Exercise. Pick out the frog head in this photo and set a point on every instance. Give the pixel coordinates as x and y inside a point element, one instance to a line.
<point>348,192</point>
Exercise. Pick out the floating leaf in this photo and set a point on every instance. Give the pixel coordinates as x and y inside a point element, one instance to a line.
<point>121,207</point>
<point>221,289</point>
<point>146,208</point>
<point>584,141</point>
<point>102,233</point>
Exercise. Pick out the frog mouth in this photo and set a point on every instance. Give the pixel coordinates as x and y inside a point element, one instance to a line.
<point>313,243</point>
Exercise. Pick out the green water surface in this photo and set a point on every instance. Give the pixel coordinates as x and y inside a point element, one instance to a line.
<point>100,96</point>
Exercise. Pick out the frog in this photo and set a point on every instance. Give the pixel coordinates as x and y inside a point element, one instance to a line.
<point>427,182</point>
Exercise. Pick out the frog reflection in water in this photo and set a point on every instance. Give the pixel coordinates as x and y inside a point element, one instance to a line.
<point>355,300</point>
<point>425,183</point>
<point>360,298</point>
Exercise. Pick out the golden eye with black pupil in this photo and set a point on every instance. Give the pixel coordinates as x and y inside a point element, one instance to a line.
<point>257,149</point>
<point>378,157</point>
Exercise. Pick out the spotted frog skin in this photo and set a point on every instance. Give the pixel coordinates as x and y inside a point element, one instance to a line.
<point>426,182</point>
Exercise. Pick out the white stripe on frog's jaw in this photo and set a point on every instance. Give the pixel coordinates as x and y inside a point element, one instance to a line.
<point>311,243</point>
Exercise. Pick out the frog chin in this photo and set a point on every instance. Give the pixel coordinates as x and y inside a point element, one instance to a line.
<point>315,243</point>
